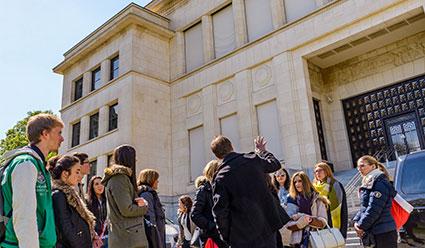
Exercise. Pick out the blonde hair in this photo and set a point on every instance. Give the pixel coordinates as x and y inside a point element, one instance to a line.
<point>199,181</point>
<point>210,169</point>
<point>370,160</point>
<point>147,177</point>
<point>40,122</point>
<point>326,168</point>
<point>308,188</point>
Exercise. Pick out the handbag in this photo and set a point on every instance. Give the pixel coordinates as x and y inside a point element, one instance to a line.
<point>326,238</point>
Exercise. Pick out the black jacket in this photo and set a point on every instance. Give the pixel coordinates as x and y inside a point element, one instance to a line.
<point>156,215</point>
<point>99,211</point>
<point>203,217</point>
<point>244,207</point>
<point>72,230</point>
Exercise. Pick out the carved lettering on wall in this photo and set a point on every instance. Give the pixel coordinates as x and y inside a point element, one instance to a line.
<point>379,60</point>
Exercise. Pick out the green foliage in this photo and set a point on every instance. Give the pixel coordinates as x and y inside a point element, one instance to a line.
<point>16,136</point>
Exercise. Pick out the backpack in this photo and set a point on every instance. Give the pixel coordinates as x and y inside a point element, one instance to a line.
<point>4,218</point>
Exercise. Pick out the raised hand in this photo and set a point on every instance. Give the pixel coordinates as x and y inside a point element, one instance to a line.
<point>260,144</point>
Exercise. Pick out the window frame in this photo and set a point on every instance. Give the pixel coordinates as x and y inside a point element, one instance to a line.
<point>93,78</point>
<point>93,126</point>
<point>113,106</point>
<point>74,96</point>
<point>112,74</point>
<point>73,134</point>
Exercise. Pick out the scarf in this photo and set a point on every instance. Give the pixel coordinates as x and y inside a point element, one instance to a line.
<point>369,179</point>
<point>332,190</point>
<point>75,201</point>
<point>304,204</point>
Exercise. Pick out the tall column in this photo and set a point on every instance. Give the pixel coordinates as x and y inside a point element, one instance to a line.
<point>211,122</point>
<point>84,129</point>
<point>207,37</point>
<point>241,33</point>
<point>180,54</point>
<point>86,83</point>
<point>246,110</point>
<point>102,163</point>
<point>103,119</point>
<point>278,13</point>
<point>296,107</point>
<point>105,71</point>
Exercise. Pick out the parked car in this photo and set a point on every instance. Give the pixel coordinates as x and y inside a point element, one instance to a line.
<point>171,233</point>
<point>409,181</point>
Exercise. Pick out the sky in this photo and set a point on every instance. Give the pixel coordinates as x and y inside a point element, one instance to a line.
<point>34,35</point>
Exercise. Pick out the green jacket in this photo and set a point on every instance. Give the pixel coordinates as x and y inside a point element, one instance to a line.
<point>44,213</point>
<point>126,227</point>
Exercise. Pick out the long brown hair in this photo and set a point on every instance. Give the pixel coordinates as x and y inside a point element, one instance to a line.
<point>91,195</point>
<point>125,155</point>
<point>308,188</point>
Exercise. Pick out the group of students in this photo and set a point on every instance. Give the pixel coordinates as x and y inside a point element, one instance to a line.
<point>237,203</point>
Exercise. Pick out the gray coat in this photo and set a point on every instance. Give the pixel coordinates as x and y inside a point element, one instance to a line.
<point>126,226</point>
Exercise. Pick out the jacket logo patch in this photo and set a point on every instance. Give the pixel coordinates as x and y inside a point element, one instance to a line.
<point>377,194</point>
<point>40,178</point>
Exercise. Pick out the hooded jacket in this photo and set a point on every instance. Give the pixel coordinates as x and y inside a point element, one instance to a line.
<point>27,192</point>
<point>126,225</point>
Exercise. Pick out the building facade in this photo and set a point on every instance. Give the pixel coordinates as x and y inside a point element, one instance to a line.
<point>319,79</point>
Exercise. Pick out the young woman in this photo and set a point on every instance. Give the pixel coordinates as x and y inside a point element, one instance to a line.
<point>307,209</point>
<point>376,194</point>
<point>148,185</point>
<point>125,209</point>
<point>281,181</point>
<point>186,226</point>
<point>202,214</point>
<point>96,203</point>
<point>326,184</point>
<point>74,222</point>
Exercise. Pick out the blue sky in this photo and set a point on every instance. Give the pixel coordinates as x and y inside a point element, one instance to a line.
<point>34,35</point>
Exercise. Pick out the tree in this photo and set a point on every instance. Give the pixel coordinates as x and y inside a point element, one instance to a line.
<point>16,136</point>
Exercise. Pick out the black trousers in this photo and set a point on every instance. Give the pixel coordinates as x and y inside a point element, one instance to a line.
<point>261,242</point>
<point>386,240</point>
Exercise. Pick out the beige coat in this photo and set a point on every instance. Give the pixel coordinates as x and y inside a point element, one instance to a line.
<point>318,209</point>
<point>126,225</point>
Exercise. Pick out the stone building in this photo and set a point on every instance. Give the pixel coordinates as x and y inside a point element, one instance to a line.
<point>319,79</point>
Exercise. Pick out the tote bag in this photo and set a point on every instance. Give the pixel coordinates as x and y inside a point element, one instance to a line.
<point>326,238</point>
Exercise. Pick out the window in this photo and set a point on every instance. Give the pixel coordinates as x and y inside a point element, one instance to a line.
<point>258,18</point>
<point>78,89</point>
<point>75,141</point>
<point>93,171</point>
<point>113,117</point>
<point>115,67</point>
<point>229,128</point>
<point>296,9</point>
<point>224,31</point>
<point>94,126</point>
<point>268,127</point>
<point>412,174</point>
<point>110,160</point>
<point>194,49</point>
<point>197,155</point>
<point>95,79</point>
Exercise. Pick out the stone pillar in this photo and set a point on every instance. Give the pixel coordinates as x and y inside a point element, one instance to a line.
<point>295,105</point>
<point>84,129</point>
<point>211,122</point>
<point>86,83</point>
<point>180,54</point>
<point>105,71</point>
<point>241,33</point>
<point>246,110</point>
<point>207,37</point>
<point>102,161</point>
<point>278,13</point>
<point>103,119</point>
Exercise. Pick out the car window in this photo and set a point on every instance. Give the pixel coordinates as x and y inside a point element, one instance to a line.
<point>413,175</point>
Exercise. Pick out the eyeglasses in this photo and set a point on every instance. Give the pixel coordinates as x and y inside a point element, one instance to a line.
<point>280,175</point>
<point>318,170</point>
<point>362,165</point>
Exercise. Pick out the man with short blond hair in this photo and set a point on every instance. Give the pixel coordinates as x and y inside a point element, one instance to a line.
<point>26,186</point>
